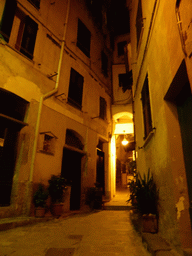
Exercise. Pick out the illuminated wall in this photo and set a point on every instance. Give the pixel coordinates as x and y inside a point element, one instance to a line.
<point>56,51</point>
<point>157,55</point>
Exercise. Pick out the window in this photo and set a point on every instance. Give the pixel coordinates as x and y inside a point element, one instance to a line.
<point>103,106</point>
<point>36,3</point>
<point>125,81</point>
<point>75,89</point>
<point>104,63</point>
<point>120,48</point>
<point>83,38</point>
<point>139,22</point>
<point>47,141</point>
<point>146,108</point>
<point>95,7</point>
<point>18,29</point>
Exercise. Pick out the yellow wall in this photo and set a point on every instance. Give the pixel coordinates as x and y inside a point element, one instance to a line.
<point>160,55</point>
<point>29,80</point>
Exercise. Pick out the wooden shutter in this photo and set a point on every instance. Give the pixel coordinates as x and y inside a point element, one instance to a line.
<point>29,37</point>
<point>7,19</point>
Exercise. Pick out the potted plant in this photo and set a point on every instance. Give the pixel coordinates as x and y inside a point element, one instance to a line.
<point>144,196</point>
<point>39,198</point>
<point>94,196</point>
<point>56,188</point>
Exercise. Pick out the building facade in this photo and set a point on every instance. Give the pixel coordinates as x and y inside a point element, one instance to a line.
<point>162,79</point>
<point>55,106</point>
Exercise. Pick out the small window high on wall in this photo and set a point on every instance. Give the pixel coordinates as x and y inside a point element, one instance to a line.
<point>146,108</point>
<point>36,3</point>
<point>75,89</point>
<point>103,106</point>
<point>139,22</point>
<point>18,29</point>
<point>83,38</point>
<point>104,63</point>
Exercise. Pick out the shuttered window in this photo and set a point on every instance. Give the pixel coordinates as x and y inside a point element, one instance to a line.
<point>25,29</point>
<point>139,22</point>
<point>83,38</point>
<point>104,63</point>
<point>103,106</point>
<point>146,109</point>
<point>36,3</point>
<point>75,89</point>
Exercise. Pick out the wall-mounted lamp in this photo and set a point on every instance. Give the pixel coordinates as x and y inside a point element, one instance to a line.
<point>124,141</point>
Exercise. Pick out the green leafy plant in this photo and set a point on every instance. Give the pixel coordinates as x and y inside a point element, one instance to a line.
<point>57,186</point>
<point>144,194</point>
<point>40,196</point>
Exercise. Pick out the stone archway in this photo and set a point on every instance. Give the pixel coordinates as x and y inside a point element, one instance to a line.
<point>123,129</point>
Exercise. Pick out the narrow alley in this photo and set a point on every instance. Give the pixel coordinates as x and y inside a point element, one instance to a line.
<point>95,234</point>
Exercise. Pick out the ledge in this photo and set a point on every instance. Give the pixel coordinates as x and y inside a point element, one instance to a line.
<point>148,138</point>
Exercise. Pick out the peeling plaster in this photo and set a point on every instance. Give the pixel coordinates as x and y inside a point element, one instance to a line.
<point>180,206</point>
<point>179,180</point>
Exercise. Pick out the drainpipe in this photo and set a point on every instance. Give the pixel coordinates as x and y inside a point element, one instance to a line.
<point>146,45</point>
<point>48,95</point>
<point>179,24</point>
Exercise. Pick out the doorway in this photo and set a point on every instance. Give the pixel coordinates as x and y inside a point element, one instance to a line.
<point>100,174</point>
<point>71,170</point>
<point>179,93</point>
<point>8,140</point>
<point>184,109</point>
<point>12,114</point>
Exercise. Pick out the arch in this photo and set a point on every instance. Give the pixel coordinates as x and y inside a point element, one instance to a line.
<point>74,139</point>
<point>123,115</point>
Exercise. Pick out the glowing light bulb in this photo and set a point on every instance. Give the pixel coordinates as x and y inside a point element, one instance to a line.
<point>124,142</point>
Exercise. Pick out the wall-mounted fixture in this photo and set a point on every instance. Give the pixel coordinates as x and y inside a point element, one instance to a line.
<point>124,141</point>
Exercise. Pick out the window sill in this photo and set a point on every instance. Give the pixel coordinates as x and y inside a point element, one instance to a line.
<point>148,138</point>
<point>20,53</point>
<point>46,152</point>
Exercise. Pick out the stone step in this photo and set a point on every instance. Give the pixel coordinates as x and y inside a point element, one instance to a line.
<point>117,207</point>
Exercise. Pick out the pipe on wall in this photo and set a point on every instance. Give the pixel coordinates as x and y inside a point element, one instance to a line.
<point>179,25</point>
<point>146,45</point>
<point>48,95</point>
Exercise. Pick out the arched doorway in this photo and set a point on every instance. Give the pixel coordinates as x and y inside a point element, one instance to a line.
<point>123,130</point>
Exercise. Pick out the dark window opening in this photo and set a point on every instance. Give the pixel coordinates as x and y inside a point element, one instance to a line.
<point>26,31</point>
<point>95,7</point>
<point>139,22</point>
<point>29,37</point>
<point>103,106</point>
<point>121,47</point>
<point>75,89</point>
<point>125,81</point>
<point>7,19</point>
<point>118,17</point>
<point>104,63</point>
<point>36,3</point>
<point>146,108</point>
<point>83,38</point>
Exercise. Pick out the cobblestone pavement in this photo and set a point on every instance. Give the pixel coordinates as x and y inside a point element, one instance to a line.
<point>99,233</point>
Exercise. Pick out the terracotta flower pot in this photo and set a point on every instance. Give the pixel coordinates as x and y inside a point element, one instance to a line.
<point>149,223</point>
<point>57,209</point>
<point>39,212</point>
